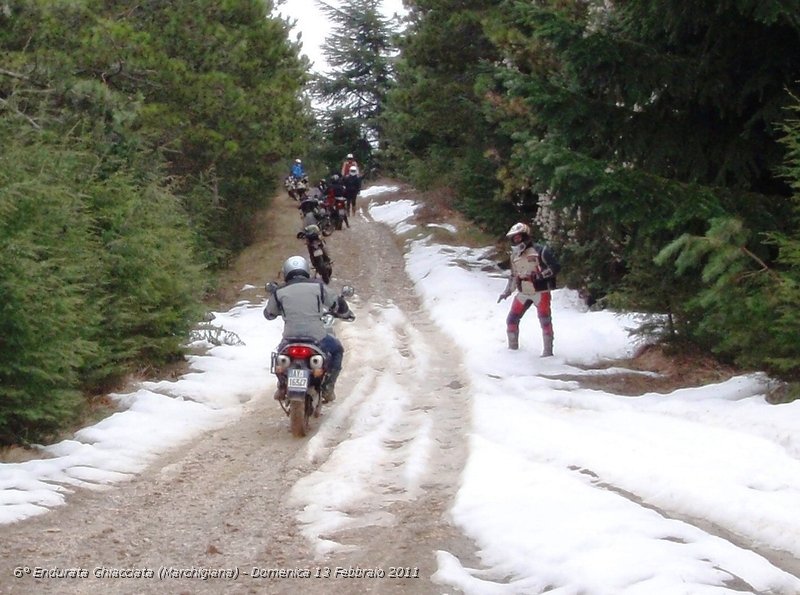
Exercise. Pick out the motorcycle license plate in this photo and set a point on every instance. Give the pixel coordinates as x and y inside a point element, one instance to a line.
<point>298,379</point>
<point>318,252</point>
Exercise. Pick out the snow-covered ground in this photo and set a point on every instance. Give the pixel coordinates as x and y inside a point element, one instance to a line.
<point>566,490</point>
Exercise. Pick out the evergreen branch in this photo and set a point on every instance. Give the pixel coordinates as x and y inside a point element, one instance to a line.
<point>15,75</point>
<point>30,120</point>
<point>764,266</point>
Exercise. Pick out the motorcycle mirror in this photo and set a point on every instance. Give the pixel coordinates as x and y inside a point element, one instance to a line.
<point>348,291</point>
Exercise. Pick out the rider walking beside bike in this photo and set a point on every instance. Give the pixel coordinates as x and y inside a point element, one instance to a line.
<point>301,302</point>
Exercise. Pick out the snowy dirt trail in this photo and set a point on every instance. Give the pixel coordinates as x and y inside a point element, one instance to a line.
<point>251,497</point>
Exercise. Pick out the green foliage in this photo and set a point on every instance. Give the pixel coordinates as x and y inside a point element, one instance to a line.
<point>624,131</point>
<point>352,90</point>
<point>436,130</point>
<point>339,134</point>
<point>220,84</point>
<point>47,266</point>
<point>151,284</point>
<point>649,122</point>
<point>358,52</point>
<point>135,138</point>
<point>97,277</point>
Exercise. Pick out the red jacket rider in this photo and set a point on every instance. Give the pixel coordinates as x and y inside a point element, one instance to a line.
<point>349,162</point>
<point>533,279</point>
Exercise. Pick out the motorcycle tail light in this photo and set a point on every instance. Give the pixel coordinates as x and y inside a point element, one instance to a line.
<point>299,351</point>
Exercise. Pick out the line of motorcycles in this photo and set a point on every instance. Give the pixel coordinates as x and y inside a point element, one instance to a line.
<point>320,220</point>
<point>300,364</point>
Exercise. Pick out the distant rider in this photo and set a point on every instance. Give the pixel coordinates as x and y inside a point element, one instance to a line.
<point>310,211</point>
<point>352,186</point>
<point>533,276</point>
<point>297,171</point>
<point>301,302</point>
<point>336,186</point>
<point>349,162</point>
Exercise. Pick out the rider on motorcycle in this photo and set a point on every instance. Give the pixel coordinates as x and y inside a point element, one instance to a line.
<point>297,171</point>
<point>301,302</point>
<point>310,211</point>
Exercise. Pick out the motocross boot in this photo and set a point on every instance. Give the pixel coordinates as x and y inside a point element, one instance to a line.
<point>513,339</point>
<point>547,340</point>
<point>328,392</point>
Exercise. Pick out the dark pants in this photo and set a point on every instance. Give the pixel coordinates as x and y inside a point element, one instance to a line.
<point>351,203</point>
<point>333,346</point>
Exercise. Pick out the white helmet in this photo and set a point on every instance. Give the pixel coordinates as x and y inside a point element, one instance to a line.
<point>518,228</point>
<point>353,171</point>
<point>350,156</point>
<point>298,161</point>
<point>519,235</point>
<point>294,266</point>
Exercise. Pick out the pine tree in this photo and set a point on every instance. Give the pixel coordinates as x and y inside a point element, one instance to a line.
<point>437,129</point>
<point>359,54</point>
<point>647,121</point>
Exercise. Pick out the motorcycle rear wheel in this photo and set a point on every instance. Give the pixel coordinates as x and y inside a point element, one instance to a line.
<point>323,268</point>
<point>298,420</point>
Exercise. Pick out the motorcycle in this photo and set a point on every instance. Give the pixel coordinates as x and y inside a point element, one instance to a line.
<point>296,188</point>
<point>317,254</point>
<point>301,366</point>
<point>314,213</point>
<point>339,212</point>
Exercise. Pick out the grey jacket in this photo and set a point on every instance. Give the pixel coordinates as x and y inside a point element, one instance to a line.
<point>302,302</point>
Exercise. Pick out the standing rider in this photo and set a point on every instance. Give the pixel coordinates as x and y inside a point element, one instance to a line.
<point>349,162</point>
<point>352,186</point>
<point>301,302</point>
<point>533,271</point>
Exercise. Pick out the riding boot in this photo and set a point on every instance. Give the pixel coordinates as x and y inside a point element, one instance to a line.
<point>328,386</point>
<point>513,339</point>
<point>548,345</point>
<point>280,393</point>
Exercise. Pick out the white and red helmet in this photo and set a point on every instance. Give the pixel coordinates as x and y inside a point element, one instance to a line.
<point>518,229</point>
<point>519,235</point>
